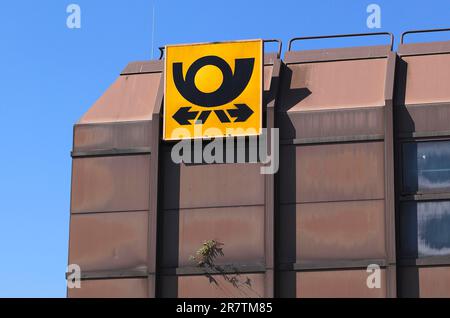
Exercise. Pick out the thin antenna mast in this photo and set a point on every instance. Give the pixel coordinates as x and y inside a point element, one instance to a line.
<point>153,30</point>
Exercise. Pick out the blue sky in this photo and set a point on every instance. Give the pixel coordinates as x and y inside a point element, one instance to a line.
<point>51,75</point>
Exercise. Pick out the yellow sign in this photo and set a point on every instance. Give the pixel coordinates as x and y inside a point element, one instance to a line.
<point>213,90</point>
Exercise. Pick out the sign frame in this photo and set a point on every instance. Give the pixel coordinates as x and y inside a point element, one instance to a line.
<point>261,71</point>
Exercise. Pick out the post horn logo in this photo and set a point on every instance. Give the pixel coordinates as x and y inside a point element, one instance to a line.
<point>232,86</point>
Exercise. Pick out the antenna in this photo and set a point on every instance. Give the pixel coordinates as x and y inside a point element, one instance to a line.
<point>153,29</point>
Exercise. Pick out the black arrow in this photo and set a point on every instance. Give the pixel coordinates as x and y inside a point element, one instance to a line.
<point>222,116</point>
<point>203,117</point>
<point>242,113</point>
<point>183,115</point>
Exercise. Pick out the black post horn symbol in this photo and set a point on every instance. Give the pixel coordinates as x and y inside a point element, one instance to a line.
<point>232,86</point>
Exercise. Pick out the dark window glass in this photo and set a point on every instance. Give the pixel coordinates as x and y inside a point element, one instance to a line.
<point>426,166</point>
<point>425,229</point>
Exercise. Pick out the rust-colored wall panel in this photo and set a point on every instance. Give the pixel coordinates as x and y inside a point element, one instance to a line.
<point>131,97</point>
<point>216,286</point>
<point>240,229</point>
<point>434,282</point>
<point>110,184</point>
<point>333,123</point>
<point>211,185</point>
<point>423,118</point>
<point>109,241</point>
<point>427,79</point>
<point>333,231</point>
<point>111,288</point>
<point>332,172</point>
<point>340,84</point>
<point>112,136</point>
<point>425,282</point>
<point>338,284</point>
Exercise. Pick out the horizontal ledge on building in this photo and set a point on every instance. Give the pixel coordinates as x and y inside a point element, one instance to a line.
<point>337,54</point>
<point>331,201</point>
<point>176,209</point>
<point>102,124</point>
<point>425,197</point>
<point>330,110</point>
<point>111,152</point>
<point>424,134</point>
<point>331,139</point>
<point>146,210</point>
<point>217,270</point>
<point>112,274</point>
<point>133,68</point>
<point>424,48</point>
<point>418,105</point>
<point>425,261</point>
<point>332,265</point>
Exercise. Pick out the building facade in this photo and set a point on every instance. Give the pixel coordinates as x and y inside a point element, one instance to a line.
<point>364,180</point>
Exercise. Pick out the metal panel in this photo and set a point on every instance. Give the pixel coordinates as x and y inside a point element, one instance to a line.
<point>332,172</point>
<point>332,231</point>
<point>240,229</point>
<point>337,284</point>
<point>427,79</point>
<point>333,123</point>
<point>127,135</point>
<point>424,48</point>
<point>427,118</point>
<point>110,184</point>
<point>130,98</point>
<point>338,54</point>
<point>214,286</point>
<point>210,185</point>
<point>108,241</point>
<point>424,282</point>
<point>140,67</point>
<point>331,85</point>
<point>111,288</point>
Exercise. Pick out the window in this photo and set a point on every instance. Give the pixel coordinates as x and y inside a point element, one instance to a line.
<point>426,167</point>
<point>425,229</point>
